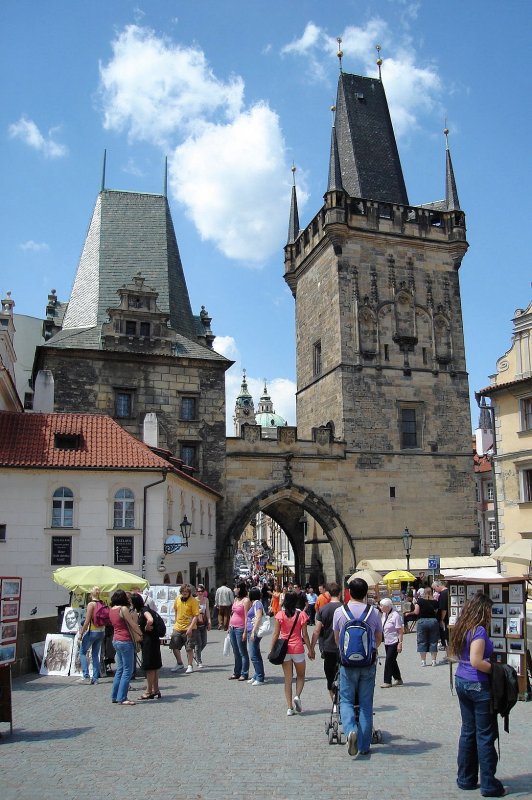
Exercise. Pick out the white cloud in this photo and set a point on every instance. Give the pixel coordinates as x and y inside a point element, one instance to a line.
<point>281,390</point>
<point>233,181</point>
<point>229,167</point>
<point>35,247</point>
<point>155,89</point>
<point>27,131</point>
<point>411,89</point>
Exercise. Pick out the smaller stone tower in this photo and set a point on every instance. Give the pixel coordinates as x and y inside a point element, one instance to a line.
<point>244,408</point>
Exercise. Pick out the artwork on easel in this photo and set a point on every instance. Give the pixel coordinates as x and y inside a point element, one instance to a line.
<point>75,661</point>
<point>57,654</point>
<point>72,620</point>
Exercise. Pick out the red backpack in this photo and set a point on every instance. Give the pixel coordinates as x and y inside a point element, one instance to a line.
<point>101,615</point>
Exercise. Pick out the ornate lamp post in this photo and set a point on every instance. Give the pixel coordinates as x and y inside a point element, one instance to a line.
<point>174,543</point>
<point>407,544</point>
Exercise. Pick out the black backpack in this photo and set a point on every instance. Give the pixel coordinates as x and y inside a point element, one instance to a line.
<point>159,625</point>
<point>504,691</point>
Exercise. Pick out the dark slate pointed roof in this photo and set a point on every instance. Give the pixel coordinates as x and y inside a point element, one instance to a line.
<point>129,232</point>
<point>293,224</point>
<point>369,159</point>
<point>334,182</point>
<point>451,192</point>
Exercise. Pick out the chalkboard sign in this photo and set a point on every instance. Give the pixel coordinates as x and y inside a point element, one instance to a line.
<point>123,549</point>
<point>61,550</point>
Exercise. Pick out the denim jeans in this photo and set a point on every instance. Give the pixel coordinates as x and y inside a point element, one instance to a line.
<point>240,652</point>
<point>256,657</point>
<point>357,686</point>
<point>476,746</point>
<point>92,640</point>
<point>125,661</point>
<point>201,642</point>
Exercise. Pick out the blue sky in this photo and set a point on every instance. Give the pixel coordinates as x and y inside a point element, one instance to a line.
<point>233,93</point>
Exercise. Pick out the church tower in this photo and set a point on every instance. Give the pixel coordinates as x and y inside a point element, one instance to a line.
<point>129,344</point>
<point>380,349</point>
<point>244,408</point>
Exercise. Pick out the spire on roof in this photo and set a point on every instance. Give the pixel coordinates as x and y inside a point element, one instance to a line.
<point>102,188</point>
<point>484,418</point>
<point>340,52</point>
<point>367,150</point>
<point>335,174</point>
<point>165,183</point>
<point>378,48</point>
<point>451,192</point>
<point>293,225</point>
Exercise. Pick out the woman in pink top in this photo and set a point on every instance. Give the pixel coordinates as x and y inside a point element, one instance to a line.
<point>122,622</point>
<point>295,657</point>
<point>238,633</point>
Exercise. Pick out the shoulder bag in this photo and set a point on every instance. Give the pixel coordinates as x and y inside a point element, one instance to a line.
<point>280,648</point>
<point>134,630</point>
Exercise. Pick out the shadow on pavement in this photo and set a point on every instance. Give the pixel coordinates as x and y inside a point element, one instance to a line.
<point>45,735</point>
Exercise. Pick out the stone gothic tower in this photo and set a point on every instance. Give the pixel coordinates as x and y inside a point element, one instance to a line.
<point>380,350</point>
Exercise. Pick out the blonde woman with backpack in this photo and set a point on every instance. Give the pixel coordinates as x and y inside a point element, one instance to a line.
<point>91,636</point>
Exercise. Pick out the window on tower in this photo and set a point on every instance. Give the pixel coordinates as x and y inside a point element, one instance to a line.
<point>123,404</point>
<point>188,408</point>
<point>410,425</point>
<point>316,366</point>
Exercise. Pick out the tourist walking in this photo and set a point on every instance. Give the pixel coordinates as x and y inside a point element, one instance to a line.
<point>275,604</point>
<point>203,624</point>
<point>311,604</point>
<point>392,632</point>
<point>91,636</point>
<point>124,625</point>
<point>357,684</point>
<point>324,635</point>
<point>223,600</point>
<point>151,648</point>
<point>428,627</point>
<point>295,631</point>
<point>255,616</point>
<point>238,633</point>
<point>187,609</point>
<point>471,644</point>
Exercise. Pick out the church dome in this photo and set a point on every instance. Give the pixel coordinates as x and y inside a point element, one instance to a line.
<point>272,420</point>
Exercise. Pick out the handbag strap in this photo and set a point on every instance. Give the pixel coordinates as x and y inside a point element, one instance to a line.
<point>294,625</point>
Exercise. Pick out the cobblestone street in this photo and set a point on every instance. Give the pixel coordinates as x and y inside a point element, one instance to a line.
<point>211,739</point>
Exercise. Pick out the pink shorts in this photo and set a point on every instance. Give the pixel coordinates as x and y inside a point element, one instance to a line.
<point>297,658</point>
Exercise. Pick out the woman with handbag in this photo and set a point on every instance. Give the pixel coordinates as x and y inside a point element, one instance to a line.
<point>151,648</point>
<point>238,633</point>
<point>126,634</point>
<point>255,617</point>
<point>291,626</point>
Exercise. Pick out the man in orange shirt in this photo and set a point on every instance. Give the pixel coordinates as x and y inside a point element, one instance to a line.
<point>323,598</point>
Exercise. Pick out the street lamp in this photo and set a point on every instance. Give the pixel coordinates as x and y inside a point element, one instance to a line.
<point>407,544</point>
<point>185,528</point>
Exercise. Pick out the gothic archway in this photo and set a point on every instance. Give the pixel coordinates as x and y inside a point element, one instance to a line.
<point>285,505</point>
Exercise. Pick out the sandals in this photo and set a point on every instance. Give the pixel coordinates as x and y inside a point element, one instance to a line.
<point>233,678</point>
<point>127,703</point>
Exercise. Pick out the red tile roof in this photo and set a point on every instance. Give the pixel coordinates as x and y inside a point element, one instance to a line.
<point>495,387</point>
<point>29,440</point>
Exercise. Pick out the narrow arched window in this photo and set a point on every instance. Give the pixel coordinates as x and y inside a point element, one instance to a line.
<point>63,508</point>
<point>124,509</point>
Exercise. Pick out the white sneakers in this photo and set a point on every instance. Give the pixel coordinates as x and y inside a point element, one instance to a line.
<point>177,668</point>
<point>290,712</point>
<point>297,704</point>
<point>189,669</point>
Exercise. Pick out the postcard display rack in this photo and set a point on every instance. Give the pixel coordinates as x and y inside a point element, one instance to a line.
<point>10,592</point>
<point>508,620</point>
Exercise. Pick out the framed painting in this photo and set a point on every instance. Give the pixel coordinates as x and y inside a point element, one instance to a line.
<point>57,654</point>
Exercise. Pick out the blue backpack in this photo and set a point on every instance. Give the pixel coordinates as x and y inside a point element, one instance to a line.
<point>357,640</point>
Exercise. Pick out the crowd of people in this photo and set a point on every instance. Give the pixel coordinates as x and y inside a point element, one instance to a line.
<point>243,610</point>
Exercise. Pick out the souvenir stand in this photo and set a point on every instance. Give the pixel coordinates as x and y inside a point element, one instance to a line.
<point>10,593</point>
<point>508,620</point>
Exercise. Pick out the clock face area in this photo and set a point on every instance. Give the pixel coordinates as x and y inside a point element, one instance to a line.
<point>246,411</point>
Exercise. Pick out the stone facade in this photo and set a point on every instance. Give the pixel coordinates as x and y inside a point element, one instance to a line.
<point>87,380</point>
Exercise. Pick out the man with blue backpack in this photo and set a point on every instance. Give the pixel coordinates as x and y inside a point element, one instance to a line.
<point>358,633</point>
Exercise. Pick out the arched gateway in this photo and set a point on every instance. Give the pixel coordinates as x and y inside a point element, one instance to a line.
<point>279,479</point>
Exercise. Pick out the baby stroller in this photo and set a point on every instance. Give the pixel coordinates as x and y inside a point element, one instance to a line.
<point>333,726</point>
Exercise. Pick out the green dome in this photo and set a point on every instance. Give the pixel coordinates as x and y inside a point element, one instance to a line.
<point>270,420</point>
